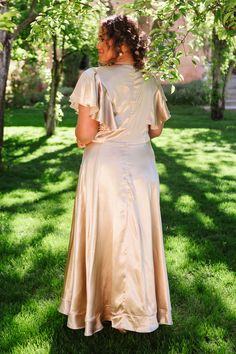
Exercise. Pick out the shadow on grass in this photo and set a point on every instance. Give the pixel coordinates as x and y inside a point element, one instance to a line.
<point>27,146</point>
<point>215,239</point>
<point>203,321</point>
<point>39,170</point>
<point>28,272</point>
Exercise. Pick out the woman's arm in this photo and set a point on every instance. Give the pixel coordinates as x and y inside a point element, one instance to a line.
<point>153,133</point>
<point>86,128</point>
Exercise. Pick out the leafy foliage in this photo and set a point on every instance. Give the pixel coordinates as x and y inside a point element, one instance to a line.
<point>164,55</point>
<point>6,20</point>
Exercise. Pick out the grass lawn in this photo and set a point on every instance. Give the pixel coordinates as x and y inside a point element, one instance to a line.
<point>196,164</point>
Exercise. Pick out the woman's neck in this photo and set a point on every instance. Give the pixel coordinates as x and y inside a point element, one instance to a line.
<point>124,59</point>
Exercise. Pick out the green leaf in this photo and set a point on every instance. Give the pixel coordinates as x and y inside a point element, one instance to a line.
<point>195,60</point>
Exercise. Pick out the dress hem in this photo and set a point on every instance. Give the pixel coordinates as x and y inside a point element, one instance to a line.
<point>139,324</point>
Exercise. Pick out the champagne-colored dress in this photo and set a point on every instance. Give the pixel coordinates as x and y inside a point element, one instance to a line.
<point>116,269</point>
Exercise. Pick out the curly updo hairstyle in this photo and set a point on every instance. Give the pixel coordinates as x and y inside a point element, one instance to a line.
<point>124,30</point>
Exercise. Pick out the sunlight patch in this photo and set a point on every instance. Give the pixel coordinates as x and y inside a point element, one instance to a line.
<point>177,249</point>
<point>206,220</point>
<point>162,169</point>
<point>228,208</point>
<point>165,193</point>
<point>28,326</point>
<point>25,225</point>
<point>186,204</point>
<point>20,196</point>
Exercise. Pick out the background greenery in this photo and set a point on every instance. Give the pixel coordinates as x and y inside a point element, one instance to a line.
<point>195,160</point>
<point>194,93</point>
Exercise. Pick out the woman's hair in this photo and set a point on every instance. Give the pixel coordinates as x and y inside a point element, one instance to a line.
<point>124,30</point>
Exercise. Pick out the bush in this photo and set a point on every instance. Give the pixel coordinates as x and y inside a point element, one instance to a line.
<point>195,93</point>
<point>26,86</point>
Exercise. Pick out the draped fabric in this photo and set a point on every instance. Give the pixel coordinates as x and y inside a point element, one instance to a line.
<point>160,112</point>
<point>116,268</point>
<point>97,98</point>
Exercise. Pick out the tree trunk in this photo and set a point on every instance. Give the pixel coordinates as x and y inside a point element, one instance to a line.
<point>218,79</point>
<point>6,39</point>
<point>50,119</point>
<point>5,55</point>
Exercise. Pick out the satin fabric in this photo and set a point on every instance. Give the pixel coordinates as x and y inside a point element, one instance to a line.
<point>121,101</point>
<point>116,267</point>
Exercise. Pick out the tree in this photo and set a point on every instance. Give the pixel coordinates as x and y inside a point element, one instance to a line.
<point>214,22</point>
<point>223,60</point>
<point>66,27</point>
<point>14,19</point>
<point>16,16</point>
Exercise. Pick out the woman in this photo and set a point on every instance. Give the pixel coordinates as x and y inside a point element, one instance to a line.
<point>116,267</point>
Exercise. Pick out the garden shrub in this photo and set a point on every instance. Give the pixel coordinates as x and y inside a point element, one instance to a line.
<point>195,93</point>
<point>25,86</point>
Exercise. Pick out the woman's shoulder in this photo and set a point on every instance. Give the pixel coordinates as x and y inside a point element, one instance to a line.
<point>153,82</point>
<point>89,72</point>
<point>102,71</point>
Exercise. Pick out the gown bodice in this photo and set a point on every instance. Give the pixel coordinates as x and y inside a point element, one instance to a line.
<point>122,101</point>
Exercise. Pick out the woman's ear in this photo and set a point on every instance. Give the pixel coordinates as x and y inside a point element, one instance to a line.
<point>124,48</point>
<point>110,42</point>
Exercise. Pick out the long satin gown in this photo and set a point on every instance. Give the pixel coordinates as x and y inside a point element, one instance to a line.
<point>116,268</point>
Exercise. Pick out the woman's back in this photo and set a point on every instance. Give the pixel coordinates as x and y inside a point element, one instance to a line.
<point>125,102</point>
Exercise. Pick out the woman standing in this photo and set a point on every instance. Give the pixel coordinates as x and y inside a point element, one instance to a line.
<point>116,268</point>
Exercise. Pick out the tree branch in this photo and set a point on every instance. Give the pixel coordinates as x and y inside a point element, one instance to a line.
<point>109,6</point>
<point>31,17</point>
<point>69,53</point>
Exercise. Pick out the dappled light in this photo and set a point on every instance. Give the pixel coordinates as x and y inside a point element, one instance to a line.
<point>197,203</point>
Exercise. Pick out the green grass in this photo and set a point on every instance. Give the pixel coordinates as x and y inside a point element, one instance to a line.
<point>195,160</point>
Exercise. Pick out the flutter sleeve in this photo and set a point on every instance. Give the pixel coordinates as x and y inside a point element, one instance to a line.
<point>85,94</point>
<point>89,91</point>
<point>159,112</point>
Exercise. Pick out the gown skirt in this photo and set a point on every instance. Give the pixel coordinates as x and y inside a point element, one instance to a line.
<point>116,269</point>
